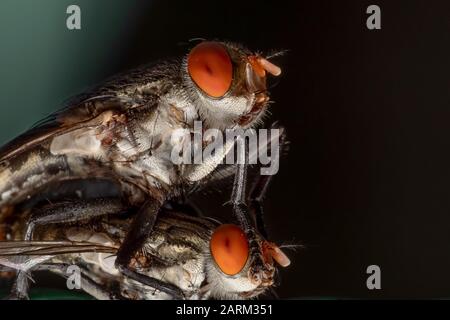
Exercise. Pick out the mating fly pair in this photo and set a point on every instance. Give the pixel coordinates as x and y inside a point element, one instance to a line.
<point>122,133</point>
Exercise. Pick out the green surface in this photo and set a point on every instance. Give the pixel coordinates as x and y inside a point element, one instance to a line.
<point>53,294</point>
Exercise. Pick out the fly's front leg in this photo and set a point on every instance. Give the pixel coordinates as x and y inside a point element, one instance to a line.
<point>139,231</point>
<point>238,194</point>
<point>255,202</point>
<point>62,213</point>
<point>261,184</point>
<point>240,209</point>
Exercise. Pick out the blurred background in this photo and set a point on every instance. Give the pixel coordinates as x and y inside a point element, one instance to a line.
<point>367,178</point>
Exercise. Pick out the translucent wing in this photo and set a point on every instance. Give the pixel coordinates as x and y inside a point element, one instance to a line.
<point>65,120</point>
<point>81,110</point>
<point>24,255</point>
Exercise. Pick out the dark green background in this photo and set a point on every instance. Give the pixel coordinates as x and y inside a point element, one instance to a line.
<point>42,63</point>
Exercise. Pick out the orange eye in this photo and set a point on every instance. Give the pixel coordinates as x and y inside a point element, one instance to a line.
<point>209,66</point>
<point>229,248</point>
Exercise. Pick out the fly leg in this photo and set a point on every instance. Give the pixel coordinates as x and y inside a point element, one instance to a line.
<point>261,184</point>
<point>255,202</point>
<point>61,213</point>
<point>257,194</point>
<point>249,222</point>
<point>240,209</point>
<point>87,282</point>
<point>67,212</point>
<point>140,229</point>
<point>20,288</point>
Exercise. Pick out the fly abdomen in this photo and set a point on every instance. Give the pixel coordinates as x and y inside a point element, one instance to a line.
<point>27,172</point>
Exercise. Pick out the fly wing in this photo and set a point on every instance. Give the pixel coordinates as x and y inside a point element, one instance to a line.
<point>87,113</point>
<point>24,255</point>
<point>82,110</point>
<point>8,248</point>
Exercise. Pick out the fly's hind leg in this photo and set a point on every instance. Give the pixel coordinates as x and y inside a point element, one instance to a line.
<point>139,231</point>
<point>87,282</point>
<point>62,213</point>
<point>255,202</point>
<point>67,212</point>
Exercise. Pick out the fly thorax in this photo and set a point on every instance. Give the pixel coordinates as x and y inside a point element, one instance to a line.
<point>154,137</point>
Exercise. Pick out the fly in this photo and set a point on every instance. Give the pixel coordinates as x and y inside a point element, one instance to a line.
<point>123,132</point>
<point>191,256</point>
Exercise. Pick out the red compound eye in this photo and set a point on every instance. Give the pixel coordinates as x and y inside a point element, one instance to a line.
<point>229,248</point>
<point>210,67</point>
